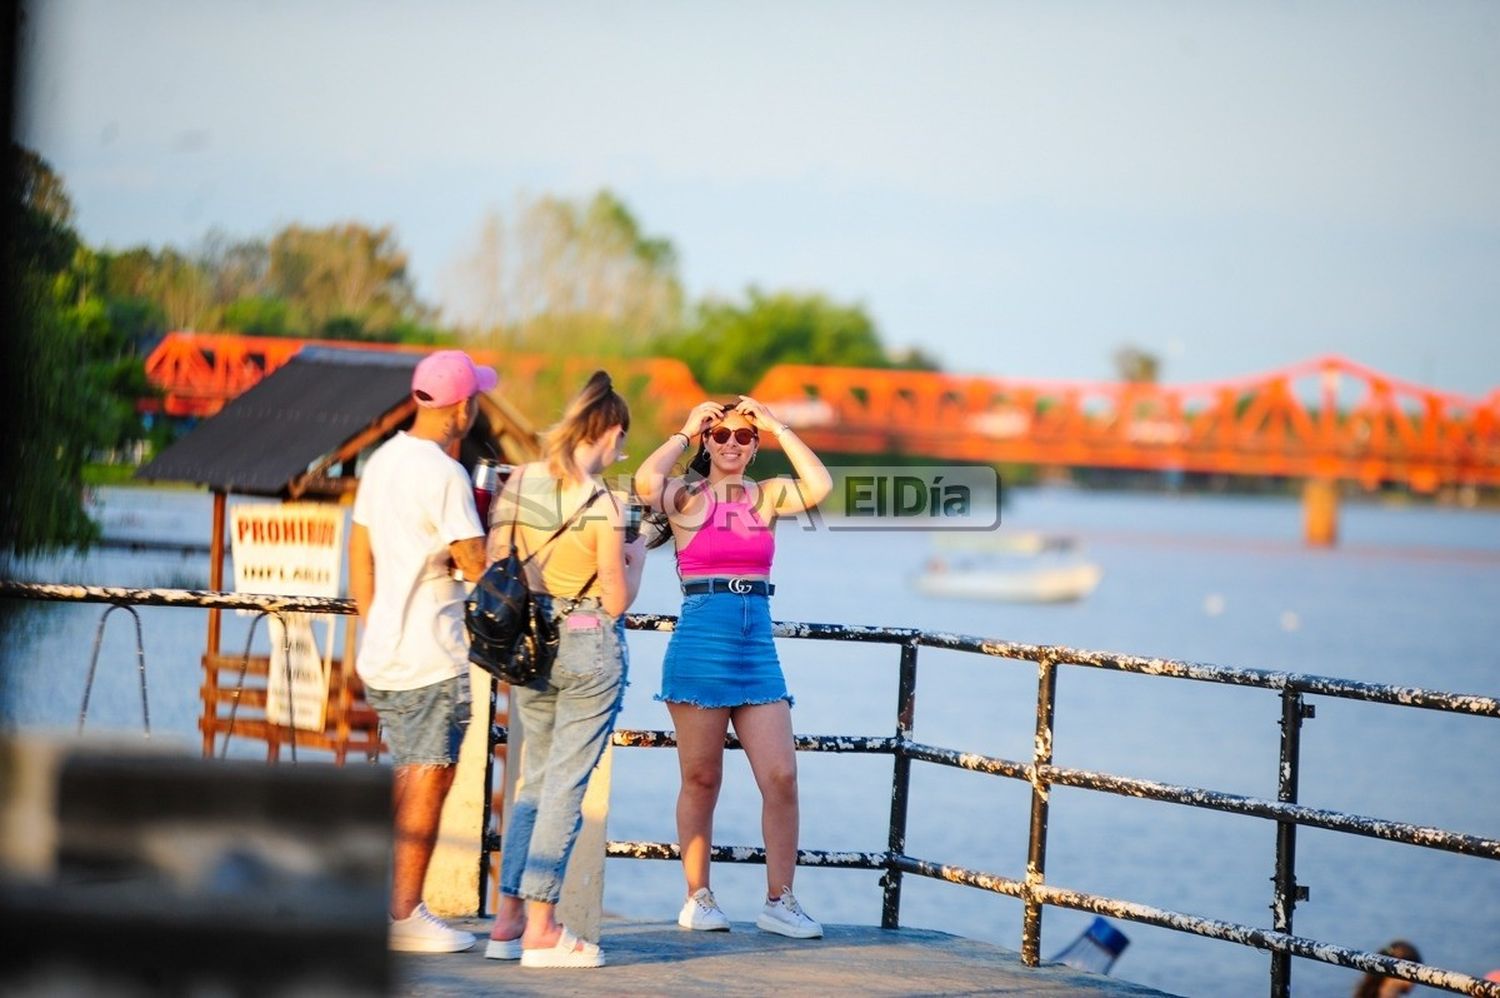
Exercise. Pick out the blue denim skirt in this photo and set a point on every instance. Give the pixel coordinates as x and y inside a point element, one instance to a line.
<point>722,653</point>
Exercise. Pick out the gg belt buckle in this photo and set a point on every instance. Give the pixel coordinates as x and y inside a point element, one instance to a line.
<point>739,586</point>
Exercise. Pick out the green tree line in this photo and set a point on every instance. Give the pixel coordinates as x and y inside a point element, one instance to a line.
<point>552,275</point>
<point>584,277</point>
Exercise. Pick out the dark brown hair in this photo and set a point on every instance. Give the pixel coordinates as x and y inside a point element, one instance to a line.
<point>1369,985</point>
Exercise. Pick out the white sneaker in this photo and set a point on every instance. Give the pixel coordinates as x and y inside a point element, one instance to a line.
<point>424,932</point>
<point>700,911</point>
<point>785,917</point>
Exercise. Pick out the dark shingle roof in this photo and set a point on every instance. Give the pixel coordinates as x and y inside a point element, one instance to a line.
<point>300,413</point>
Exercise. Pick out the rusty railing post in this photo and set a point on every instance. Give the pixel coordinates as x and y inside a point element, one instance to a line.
<point>906,699</point>
<point>210,719</point>
<point>485,842</point>
<point>1287,892</point>
<point>1041,792</point>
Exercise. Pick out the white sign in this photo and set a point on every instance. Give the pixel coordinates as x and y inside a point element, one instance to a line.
<point>308,674</point>
<point>291,549</point>
<point>287,549</point>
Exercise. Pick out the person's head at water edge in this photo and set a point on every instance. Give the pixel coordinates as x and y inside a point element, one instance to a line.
<point>1380,986</point>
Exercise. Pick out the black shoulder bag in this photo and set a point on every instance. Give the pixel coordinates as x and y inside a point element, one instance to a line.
<point>509,635</point>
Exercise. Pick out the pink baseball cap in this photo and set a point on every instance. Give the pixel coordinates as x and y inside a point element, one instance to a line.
<point>449,376</point>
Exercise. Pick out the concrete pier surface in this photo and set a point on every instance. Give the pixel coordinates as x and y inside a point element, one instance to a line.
<point>658,958</point>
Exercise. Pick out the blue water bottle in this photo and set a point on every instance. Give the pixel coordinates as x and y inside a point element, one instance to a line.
<point>1096,950</point>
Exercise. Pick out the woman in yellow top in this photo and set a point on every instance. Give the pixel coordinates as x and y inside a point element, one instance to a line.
<point>586,577</point>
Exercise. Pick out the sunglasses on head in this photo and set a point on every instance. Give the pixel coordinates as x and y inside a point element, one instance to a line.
<point>742,436</point>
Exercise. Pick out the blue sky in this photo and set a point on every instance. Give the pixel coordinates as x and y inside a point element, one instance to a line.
<point>1018,188</point>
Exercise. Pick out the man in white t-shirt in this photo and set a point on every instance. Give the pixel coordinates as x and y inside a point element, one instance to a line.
<point>413,512</point>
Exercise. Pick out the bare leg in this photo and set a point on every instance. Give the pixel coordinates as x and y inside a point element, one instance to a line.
<point>542,927</point>
<point>419,795</point>
<point>700,755</point>
<point>765,730</point>
<point>398,791</point>
<point>510,919</point>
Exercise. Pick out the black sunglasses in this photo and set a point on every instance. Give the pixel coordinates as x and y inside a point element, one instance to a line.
<point>742,436</point>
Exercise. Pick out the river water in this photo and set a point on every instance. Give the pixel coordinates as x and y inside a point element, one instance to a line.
<point>1411,596</point>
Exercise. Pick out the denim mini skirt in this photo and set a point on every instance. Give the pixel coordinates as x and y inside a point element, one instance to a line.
<point>722,653</point>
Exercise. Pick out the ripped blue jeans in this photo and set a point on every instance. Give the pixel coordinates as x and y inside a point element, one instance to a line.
<point>566,723</point>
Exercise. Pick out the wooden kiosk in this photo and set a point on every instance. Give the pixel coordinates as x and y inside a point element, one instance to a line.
<point>299,434</point>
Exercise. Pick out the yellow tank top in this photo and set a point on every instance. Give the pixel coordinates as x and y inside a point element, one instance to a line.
<point>563,566</point>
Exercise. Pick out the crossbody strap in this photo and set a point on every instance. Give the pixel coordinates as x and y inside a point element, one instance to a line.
<point>586,585</point>
<point>556,533</point>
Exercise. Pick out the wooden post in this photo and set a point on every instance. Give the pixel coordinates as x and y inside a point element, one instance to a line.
<point>341,696</point>
<point>452,885</point>
<point>343,692</point>
<point>1320,509</point>
<point>210,720</point>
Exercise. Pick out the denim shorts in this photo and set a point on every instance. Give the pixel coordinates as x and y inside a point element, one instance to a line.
<point>424,726</point>
<point>722,653</point>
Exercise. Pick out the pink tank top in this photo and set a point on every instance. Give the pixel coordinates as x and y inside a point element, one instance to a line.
<point>734,541</point>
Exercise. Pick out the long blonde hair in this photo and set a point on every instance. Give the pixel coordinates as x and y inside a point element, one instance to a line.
<point>592,413</point>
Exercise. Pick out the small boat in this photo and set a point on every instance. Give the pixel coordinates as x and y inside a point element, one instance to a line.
<point>1012,568</point>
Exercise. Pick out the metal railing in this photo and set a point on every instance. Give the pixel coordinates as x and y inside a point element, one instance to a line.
<point>1039,772</point>
<point>123,598</point>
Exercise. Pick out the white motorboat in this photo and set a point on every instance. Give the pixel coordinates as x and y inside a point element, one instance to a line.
<point>1014,568</point>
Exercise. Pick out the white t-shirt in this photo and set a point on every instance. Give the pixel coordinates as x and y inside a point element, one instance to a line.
<point>414,500</point>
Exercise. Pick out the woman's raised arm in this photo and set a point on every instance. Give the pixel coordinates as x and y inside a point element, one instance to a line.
<point>813,482</point>
<point>651,478</point>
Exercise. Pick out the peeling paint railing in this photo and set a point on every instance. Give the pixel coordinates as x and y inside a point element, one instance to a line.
<point>1032,890</point>
<point>121,598</point>
<point>203,599</point>
<point>1040,772</point>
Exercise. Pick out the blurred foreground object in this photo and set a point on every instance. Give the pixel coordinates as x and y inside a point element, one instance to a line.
<point>124,869</point>
<point>1096,949</point>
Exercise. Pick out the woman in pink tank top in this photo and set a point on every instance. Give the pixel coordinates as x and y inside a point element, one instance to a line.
<point>721,666</point>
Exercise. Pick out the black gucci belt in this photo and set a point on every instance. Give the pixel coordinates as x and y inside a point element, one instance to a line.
<point>736,585</point>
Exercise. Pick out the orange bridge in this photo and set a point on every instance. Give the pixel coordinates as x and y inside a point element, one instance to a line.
<point>1324,420</point>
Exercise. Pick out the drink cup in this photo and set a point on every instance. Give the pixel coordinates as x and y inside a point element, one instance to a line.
<point>487,482</point>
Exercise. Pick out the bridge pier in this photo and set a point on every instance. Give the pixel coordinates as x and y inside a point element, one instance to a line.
<point>1320,512</point>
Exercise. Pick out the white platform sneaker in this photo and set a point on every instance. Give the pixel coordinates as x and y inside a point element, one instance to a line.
<point>700,911</point>
<point>785,917</point>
